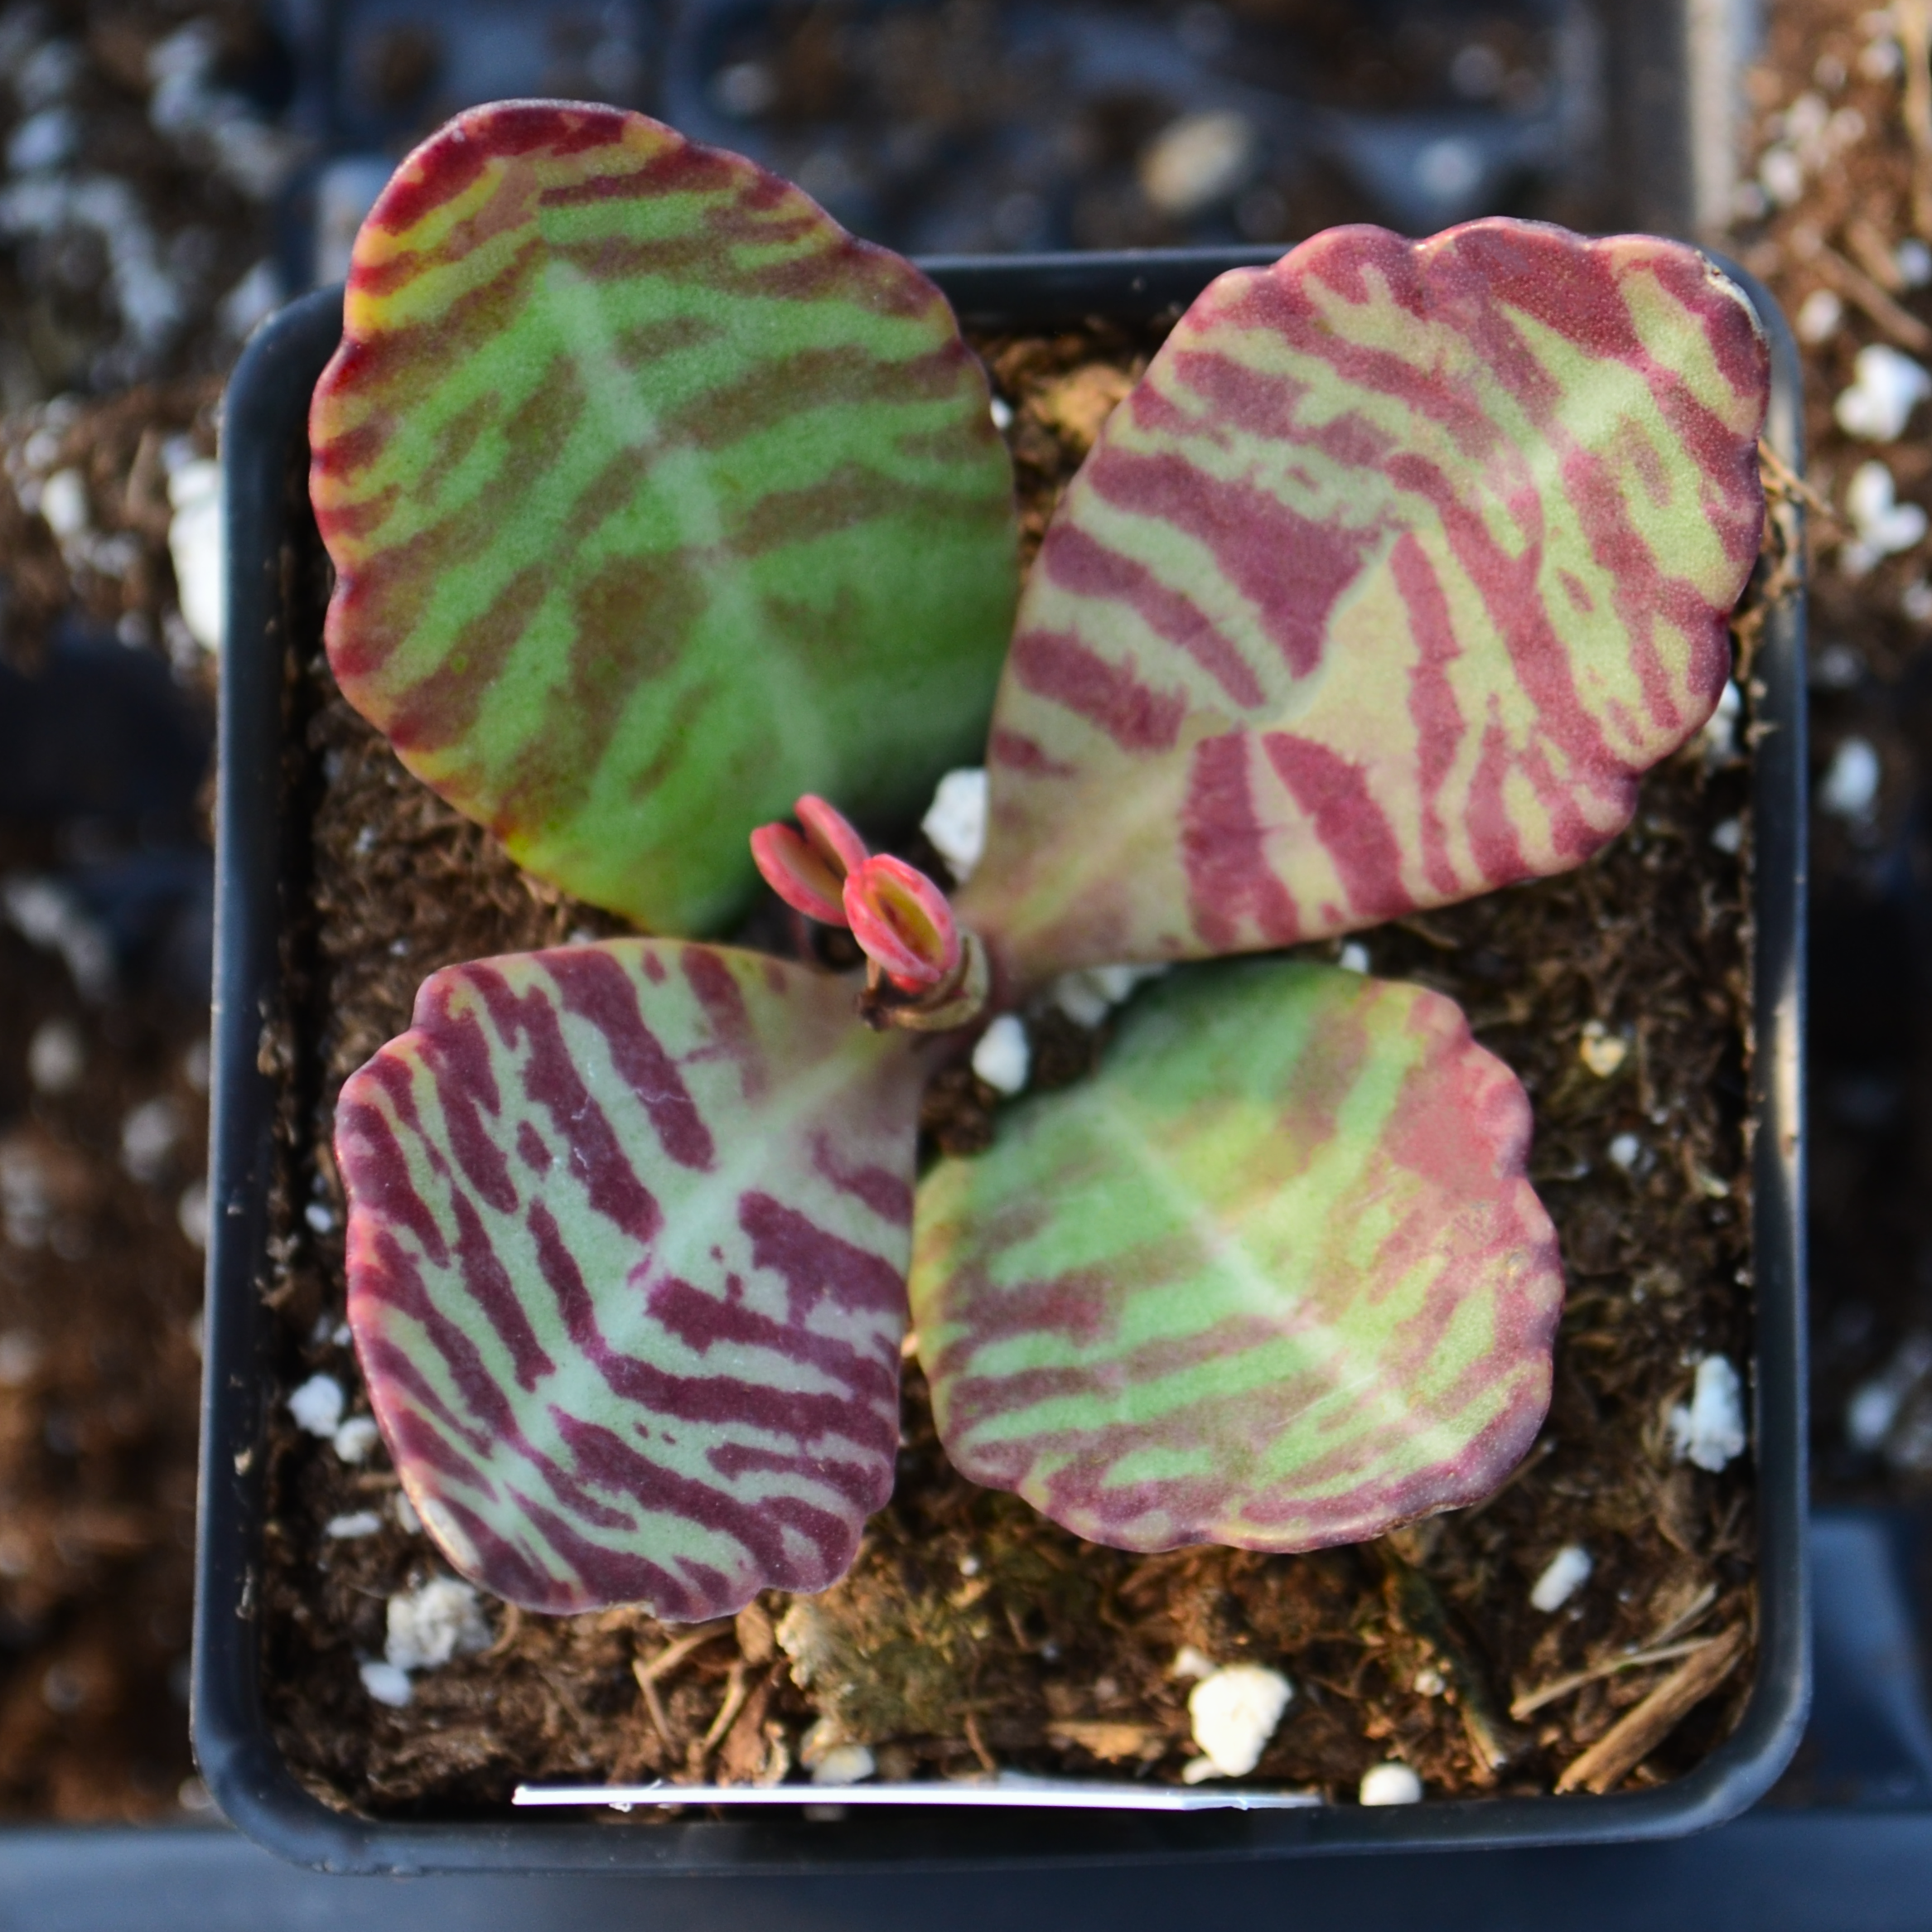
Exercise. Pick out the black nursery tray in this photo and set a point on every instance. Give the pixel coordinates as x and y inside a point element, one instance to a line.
<point>999,1826</point>
<point>1017,125</point>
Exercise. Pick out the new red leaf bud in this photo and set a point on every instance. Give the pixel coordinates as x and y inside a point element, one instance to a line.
<point>797,873</point>
<point>901,920</point>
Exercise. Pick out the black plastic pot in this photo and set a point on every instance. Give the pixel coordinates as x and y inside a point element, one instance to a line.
<point>266,405</point>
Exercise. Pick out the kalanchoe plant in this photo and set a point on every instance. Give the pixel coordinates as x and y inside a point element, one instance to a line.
<point>662,508</point>
<point>899,917</point>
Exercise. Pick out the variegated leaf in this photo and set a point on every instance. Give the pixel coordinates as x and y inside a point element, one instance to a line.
<point>1273,1277</point>
<point>628,1231</point>
<point>655,500</point>
<point>1379,590</point>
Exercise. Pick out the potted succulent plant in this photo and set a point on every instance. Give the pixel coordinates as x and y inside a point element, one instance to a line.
<point>660,509</point>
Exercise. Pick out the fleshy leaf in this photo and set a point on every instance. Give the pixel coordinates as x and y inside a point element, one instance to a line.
<point>628,1231</point>
<point>654,499</point>
<point>831,835</point>
<point>796,871</point>
<point>808,870</point>
<point>1398,567</point>
<point>902,921</point>
<point>1273,1277</point>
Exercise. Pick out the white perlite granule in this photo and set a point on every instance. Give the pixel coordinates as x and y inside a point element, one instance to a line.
<point>149,1136</point>
<point>1819,316</point>
<point>955,822</point>
<point>1089,993</point>
<point>1710,1433</point>
<point>1886,388</point>
<point>429,1627</point>
<point>317,1405</point>
<point>844,1764</point>
<point>192,1212</point>
<point>1563,1575</point>
<point>1884,525</point>
<point>354,1440</point>
<point>1391,1784</point>
<point>56,1057</point>
<point>1850,784</point>
<point>63,504</point>
<point>1198,160</point>
<point>1004,1056</point>
<point>45,914</point>
<point>387,1684</point>
<point>1877,1403</point>
<point>1234,1713</point>
<point>196,550</point>
<point>1718,740</point>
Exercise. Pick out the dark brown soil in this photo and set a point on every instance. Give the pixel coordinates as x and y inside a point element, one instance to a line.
<point>100,1186</point>
<point>972,1634</point>
<point>100,1296</point>
<point>116,575</point>
<point>1871,1045</point>
<point>115,288</point>
<point>119,246</point>
<point>887,114</point>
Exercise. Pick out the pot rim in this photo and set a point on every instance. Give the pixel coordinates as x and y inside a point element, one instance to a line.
<point>265,412</point>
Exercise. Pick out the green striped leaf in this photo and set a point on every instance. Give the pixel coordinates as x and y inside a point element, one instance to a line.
<point>628,1232</point>
<point>654,499</point>
<point>1380,589</point>
<point>1273,1277</point>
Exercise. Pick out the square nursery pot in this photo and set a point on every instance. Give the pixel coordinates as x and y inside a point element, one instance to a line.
<point>1000,1825</point>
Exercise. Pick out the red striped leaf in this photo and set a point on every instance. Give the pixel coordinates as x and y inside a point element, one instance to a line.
<point>1273,1277</point>
<point>1380,589</point>
<point>655,500</point>
<point>628,1232</point>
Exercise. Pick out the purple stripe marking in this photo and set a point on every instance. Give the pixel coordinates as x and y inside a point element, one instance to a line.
<point>375,1170</point>
<point>607,1459</point>
<point>1079,562</point>
<point>816,1264</point>
<point>888,1195</point>
<point>702,1322</point>
<point>718,1400</point>
<point>396,1271</point>
<point>733,1034</point>
<point>491,1289</point>
<point>550,1079</point>
<point>456,1057</point>
<point>596,988</point>
<point>600,1574</point>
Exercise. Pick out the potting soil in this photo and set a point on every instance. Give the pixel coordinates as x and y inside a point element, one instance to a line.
<point>972,1636</point>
